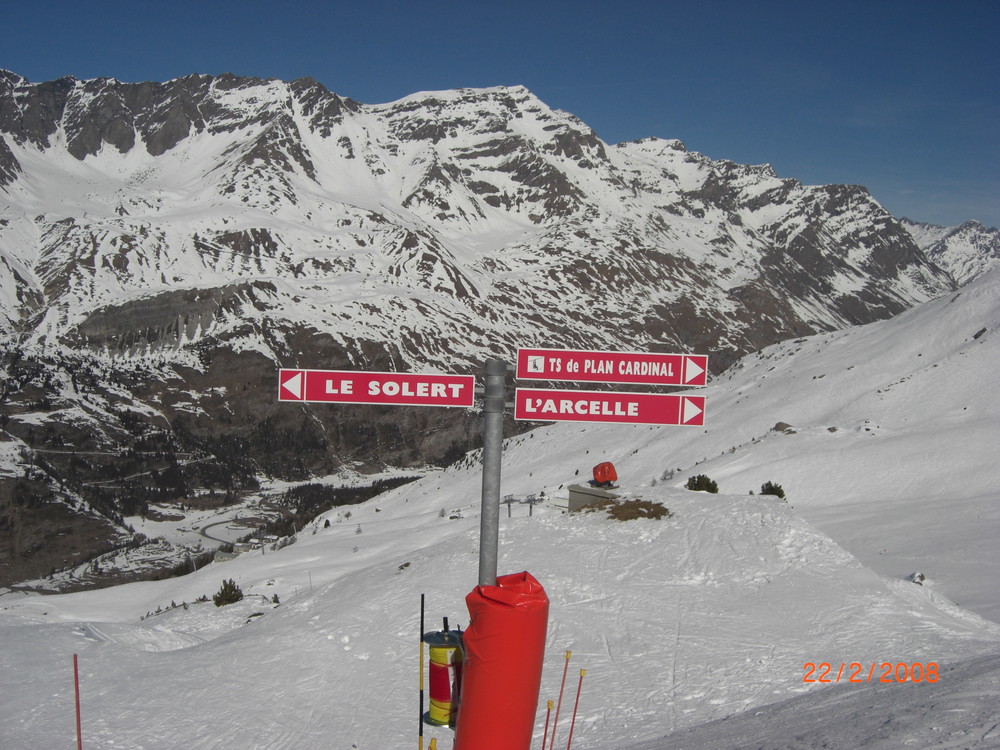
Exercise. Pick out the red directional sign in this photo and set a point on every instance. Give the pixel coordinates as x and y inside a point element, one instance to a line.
<point>353,387</point>
<point>552,405</point>
<point>612,367</point>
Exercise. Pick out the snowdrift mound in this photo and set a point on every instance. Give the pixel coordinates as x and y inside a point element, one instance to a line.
<point>886,440</point>
<point>707,613</point>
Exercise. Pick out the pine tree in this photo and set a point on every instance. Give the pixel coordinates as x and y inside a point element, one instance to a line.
<point>770,488</point>
<point>228,593</point>
<point>701,483</point>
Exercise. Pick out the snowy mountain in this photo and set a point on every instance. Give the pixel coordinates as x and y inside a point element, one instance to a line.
<point>153,214</point>
<point>165,247</point>
<point>695,631</point>
<point>966,251</point>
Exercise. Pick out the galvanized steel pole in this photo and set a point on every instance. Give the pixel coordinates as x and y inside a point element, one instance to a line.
<point>489,528</point>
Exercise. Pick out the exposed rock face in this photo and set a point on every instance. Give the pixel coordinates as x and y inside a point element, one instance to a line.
<point>10,168</point>
<point>160,115</point>
<point>39,534</point>
<point>165,320</point>
<point>166,247</point>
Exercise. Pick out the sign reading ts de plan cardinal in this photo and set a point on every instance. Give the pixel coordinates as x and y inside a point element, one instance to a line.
<point>612,367</point>
<point>355,387</point>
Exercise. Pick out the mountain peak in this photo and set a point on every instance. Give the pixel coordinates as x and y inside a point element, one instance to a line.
<point>10,78</point>
<point>654,144</point>
<point>464,94</point>
<point>445,192</point>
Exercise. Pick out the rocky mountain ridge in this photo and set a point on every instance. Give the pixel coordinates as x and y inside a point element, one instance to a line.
<point>967,251</point>
<point>165,247</point>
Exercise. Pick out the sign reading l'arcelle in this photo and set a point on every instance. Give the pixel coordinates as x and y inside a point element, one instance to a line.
<point>553,405</point>
<point>612,367</point>
<point>396,388</point>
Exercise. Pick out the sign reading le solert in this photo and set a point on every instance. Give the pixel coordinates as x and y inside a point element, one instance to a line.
<point>612,367</point>
<point>355,387</point>
<point>552,405</point>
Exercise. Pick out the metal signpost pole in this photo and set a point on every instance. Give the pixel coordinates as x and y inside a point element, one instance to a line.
<point>489,530</point>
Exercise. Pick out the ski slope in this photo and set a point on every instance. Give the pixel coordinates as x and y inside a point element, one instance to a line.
<point>694,630</point>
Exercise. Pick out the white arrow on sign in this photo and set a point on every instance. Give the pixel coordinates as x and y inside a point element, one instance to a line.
<point>691,369</point>
<point>691,410</point>
<point>294,385</point>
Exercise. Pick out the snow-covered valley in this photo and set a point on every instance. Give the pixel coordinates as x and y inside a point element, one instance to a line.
<point>886,450</point>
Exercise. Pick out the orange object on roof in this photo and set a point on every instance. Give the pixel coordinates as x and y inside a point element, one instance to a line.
<point>604,473</point>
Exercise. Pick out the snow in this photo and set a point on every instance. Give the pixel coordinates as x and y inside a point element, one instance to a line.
<point>694,630</point>
<point>965,251</point>
<point>960,713</point>
<point>11,462</point>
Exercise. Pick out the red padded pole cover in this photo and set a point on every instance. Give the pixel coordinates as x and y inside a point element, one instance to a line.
<point>504,648</point>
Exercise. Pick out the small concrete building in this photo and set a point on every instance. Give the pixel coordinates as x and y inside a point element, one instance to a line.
<point>581,495</point>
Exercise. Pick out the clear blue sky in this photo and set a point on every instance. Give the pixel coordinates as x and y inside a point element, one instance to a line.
<point>900,96</point>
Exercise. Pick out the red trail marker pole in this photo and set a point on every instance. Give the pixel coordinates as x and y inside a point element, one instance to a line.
<point>76,684</point>
<point>555,723</point>
<point>548,715</point>
<point>575,706</point>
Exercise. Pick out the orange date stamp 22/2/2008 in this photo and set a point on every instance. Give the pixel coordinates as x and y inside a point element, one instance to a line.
<point>871,672</point>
